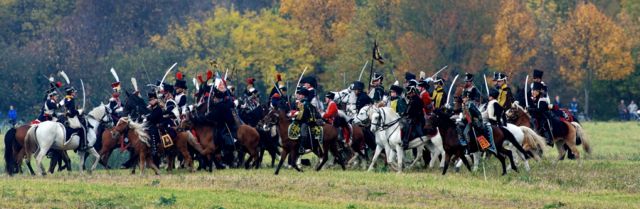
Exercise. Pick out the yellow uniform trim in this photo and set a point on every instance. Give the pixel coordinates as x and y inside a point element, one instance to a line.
<point>438,96</point>
<point>502,97</point>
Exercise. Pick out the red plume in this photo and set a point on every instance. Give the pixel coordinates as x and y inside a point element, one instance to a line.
<point>278,77</point>
<point>179,75</point>
<point>250,81</point>
<point>209,74</point>
<point>200,78</point>
<point>59,84</point>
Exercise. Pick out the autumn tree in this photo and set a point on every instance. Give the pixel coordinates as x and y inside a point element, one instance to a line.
<point>257,44</point>
<point>513,43</point>
<point>324,21</point>
<point>589,47</point>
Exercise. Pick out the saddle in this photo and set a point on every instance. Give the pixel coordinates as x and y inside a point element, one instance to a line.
<point>294,132</point>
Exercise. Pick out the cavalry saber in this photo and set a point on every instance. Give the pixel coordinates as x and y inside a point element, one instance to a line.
<point>84,94</point>
<point>437,72</point>
<point>486,85</point>
<point>167,73</point>
<point>526,98</point>
<point>301,75</point>
<point>362,71</point>
<point>451,87</point>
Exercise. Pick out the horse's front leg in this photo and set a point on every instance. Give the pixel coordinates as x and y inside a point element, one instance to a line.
<point>95,154</point>
<point>375,157</point>
<point>82,156</point>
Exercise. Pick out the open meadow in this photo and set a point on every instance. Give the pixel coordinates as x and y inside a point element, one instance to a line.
<point>608,178</point>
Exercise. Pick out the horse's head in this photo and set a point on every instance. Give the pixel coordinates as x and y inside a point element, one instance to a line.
<point>362,117</point>
<point>100,113</point>
<point>270,119</point>
<point>516,112</point>
<point>134,106</point>
<point>342,97</point>
<point>382,118</point>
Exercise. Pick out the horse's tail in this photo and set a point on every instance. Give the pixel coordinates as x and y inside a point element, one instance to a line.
<point>534,140</point>
<point>30,141</point>
<point>9,151</point>
<point>509,136</point>
<point>583,136</point>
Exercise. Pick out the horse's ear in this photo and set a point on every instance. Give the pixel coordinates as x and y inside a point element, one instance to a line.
<point>127,93</point>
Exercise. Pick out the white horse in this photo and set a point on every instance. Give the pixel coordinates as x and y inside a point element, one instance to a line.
<point>347,97</point>
<point>51,135</point>
<point>382,141</point>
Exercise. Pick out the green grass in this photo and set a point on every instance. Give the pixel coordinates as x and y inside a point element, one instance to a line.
<point>609,178</point>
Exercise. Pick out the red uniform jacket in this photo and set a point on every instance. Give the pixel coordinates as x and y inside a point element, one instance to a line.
<point>331,113</point>
<point>426,101</point>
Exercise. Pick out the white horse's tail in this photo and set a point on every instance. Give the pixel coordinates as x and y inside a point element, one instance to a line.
<point>30,142</point>
<point>583,136</point>
<point>532,141</point>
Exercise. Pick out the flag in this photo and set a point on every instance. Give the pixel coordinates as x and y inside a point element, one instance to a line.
<point>376,53</point>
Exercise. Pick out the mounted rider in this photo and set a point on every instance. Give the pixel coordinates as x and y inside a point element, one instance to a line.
<point>472,119</point>
<point>362,99</point>
<point>540,112</point>
<point>155,120</point>
<point>170,112</point>
<point>331,116</point>
<point>251,95</point>
<point>225,124</point>
<point>74,119</point>
<point>115,106</point>
<point>310,83</point>
<point>278,95</point>
<point>505,97</point>
<point>48,110</point>
<point>494,110</point>
<point>474,93</point>
<point>305,117</point>
<point>423,87</point>
<point>376,91</point>
<point>414,115</point>
<point>439,96</point>
<point>180,98</point>
<point>396,101</point>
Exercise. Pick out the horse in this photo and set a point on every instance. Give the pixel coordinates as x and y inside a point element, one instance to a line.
<point>139,140</point>
<point>51,135</point>
<point>14,151</point>
<point>278,117</point>
<point>520,117</point>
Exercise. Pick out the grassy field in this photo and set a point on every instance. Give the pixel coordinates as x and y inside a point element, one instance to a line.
<point>609,178</point>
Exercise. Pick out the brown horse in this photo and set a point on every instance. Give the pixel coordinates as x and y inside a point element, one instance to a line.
<point>520,117</point>
<point>290,147</point>
<point>139,140</point>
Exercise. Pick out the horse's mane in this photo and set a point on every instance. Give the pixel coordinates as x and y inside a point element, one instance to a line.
<point>521,109</point>
<point>98,112</point>
<point>139,128</point>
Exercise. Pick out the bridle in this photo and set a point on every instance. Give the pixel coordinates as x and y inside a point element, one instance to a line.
<point>379,124</point>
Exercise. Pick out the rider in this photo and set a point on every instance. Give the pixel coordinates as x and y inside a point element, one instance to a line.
<point>439,97</point>
<point>473,121</point>
<point>414,114</point>
<point>494,110</point>
<point>279,93</point>
<point>540,111</point>
<point>310,84</point>
<point>505,97</point>
<point>155,119</point>
<point>408,77</point>
<point>474,93</point>
<point>226,126</point>
<point>74,118</point>
<point>49,109</point>
<point>361,98</point>
<point>423,87</point>
<point>396,102</point>
<point>115,106</point>
<point>305,116</point>
<point>170,113</point>
<point>376,91</point>
<point>331,116</point>
<point>180,98</point>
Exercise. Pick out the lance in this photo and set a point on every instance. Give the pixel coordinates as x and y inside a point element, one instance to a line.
<point>451,87</point>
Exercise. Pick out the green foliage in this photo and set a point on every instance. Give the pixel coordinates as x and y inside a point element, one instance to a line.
<point>167,201</point>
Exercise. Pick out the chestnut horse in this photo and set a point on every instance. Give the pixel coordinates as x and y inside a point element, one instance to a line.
<point>290,147</point>
<point>520,117</point>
